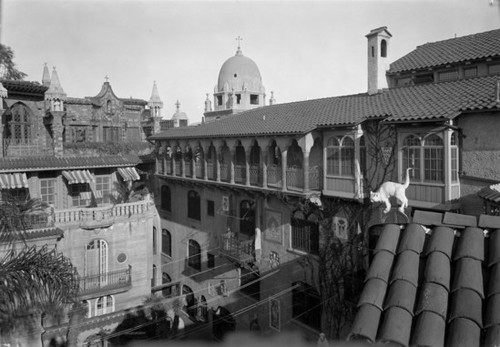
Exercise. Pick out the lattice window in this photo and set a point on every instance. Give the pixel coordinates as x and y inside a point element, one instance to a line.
<point>20,124</point>
<point>103,185</point>
<point>48,190</point>
<point>340,157</point>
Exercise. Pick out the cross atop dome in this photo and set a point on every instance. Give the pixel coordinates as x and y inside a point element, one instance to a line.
<point>239,39</point>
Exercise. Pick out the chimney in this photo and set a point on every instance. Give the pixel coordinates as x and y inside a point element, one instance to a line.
<point>378,63</point>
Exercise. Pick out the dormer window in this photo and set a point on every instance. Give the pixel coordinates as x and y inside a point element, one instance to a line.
<point>383,48</point>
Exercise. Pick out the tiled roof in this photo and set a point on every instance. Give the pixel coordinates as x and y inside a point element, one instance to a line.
<point>491,193</point>
<point>78,101</point>
<point>24,87</point>
<point>433,285</point>
<point>54,163</point>
<point>131,101</point>
<point>444,100</point>
<point>471,47</point>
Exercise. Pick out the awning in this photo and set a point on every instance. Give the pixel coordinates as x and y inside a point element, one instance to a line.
<point>78,176</point>
<point>129,173</point>
<point>13,181</point>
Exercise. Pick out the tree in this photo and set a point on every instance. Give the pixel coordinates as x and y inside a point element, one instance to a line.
<point>8,70</point>
<point>35,281</point>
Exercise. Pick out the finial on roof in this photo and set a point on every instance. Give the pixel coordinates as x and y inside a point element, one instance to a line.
<point>272,100</point>
<point>106,78</point>
<point>178,105</point>
<point>238,51</point>
<point>46,75</point>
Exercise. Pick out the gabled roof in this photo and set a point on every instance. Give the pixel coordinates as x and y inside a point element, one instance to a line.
<point>456,50</point>
<point>433,101</point>
<point>63,163</point>
<point>442,283</point>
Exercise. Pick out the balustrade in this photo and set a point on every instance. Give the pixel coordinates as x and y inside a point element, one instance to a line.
<point>168,167</point>
<point>274,176</point>
<point>241,250</point>
<point>224,173</point>
<point>199,169</point>
<point>188,166</point>
<point>240,174</point>
<point>295,178</point>
<point>211,171</point>
<point>105,281</point>
<point>255,175</point>
<point>178,168</point>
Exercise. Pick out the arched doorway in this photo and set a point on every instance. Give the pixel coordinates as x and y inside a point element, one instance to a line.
<point>247,219</point>
<point>190,300</point>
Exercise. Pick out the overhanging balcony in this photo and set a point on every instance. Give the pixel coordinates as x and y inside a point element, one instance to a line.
<point>241,251</point>
<point>111,282</point>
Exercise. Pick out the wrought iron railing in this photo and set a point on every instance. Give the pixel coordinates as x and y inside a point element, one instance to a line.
<point>199,170</point>
<point>168,167</point>
<point>211,171</point>
<point>241,250</point>
<point>188,168</point>
<point>295,178</point>
<point>240,174</point>
<point>105,281</point>
<point>255,175</point>
<point>274,176</point>
<point>224,173</point>
<point>178,168</point>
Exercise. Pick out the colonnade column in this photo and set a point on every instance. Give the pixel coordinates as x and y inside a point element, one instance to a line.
<point>231,165</point>
<point>305,167</point>
<point>247,166</point>
<point>283,168</point>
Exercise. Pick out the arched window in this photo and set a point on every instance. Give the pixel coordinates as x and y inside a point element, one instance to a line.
<point>411,156</point>
<point>96,262</point>
<point>194,205</point>
<point>166,199</point>
<point>19,128</point>
<point>104,305</point>
<point>425,157</point>
<point>194,255</point>
<point>87,307</point>
<point>433,159</point>
<point>454,157</point>
<point>340,156</point>
<point>109,109</point>
<point>383,48</point>
<point>166,242</point>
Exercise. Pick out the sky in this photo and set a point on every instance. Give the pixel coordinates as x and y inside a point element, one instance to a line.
<point>304,49</point>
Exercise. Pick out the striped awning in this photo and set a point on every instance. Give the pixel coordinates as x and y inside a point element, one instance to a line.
<point>78,176</point>
<point>13,181</point>
<point>129,173</point>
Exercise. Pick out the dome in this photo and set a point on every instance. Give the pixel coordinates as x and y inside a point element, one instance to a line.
<point>239,73</point>
<point>178,114</point>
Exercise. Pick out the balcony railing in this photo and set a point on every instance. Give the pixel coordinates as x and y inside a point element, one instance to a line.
<point>295,178</point>
<point>188,168</point>
<point>316,178</point>
<point>38,221</point>
<point>120,279</point>
<point>98,215</point>
<point>168,167</point>
<point>240,174</point>
<point>236,249</point>
<point>199,169</point>
<point>211,171</point>
<point>178,168</point>
<point>274,176</point>
<point>255,175</point>
<point>224,172</point>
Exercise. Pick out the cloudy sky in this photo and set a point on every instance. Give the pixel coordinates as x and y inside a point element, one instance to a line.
<point>304,49</point>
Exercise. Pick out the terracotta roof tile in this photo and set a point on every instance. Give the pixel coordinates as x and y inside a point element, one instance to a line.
<point>463,333</point>
<point>492,316</point>
<point>401,294</point>
<point>469,275</point>
<point>494,281</point>
<point>388,239</point>
<point>471,47</point>
<point>441,240</point>
<point>494,249</point>
<point>53,163</point>
<point>455,315</point>
<point>396,326</point>
<point>406,267</point>
<point>437,269</point>
<point>433,298</point>
<point>413,238</point>
<point>470,244</point>
<point>381,266</point>
<point>429,330</point>
<point>373,293</point>
<point>366,322</point>
<point>444,100</point>
<point>492,336</point>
